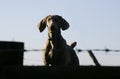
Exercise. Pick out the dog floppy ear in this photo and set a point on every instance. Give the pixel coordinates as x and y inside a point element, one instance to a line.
<point>64,24</point>
<point>42,24</point>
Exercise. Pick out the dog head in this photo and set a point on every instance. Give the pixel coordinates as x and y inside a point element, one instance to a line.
<point>53,21</point>
<point>54,24</point>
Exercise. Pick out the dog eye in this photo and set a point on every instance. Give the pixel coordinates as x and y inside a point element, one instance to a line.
<point>49,19</point>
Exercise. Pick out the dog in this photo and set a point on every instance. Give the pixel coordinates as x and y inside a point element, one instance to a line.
<point>57,52</point>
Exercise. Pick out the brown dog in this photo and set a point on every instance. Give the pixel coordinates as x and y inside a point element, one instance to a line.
<point>57,52</point>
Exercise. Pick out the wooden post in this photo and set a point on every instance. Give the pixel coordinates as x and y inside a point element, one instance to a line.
<point>11,53</point>
<point>93,57</point>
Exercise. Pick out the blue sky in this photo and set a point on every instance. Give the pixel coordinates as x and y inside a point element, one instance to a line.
<point>93,24</point>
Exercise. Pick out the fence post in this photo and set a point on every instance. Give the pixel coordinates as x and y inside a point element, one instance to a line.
<point>93,58</point>
<point>11,53</point>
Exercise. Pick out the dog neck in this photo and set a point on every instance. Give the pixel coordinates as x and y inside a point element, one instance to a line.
<point>57,42</point>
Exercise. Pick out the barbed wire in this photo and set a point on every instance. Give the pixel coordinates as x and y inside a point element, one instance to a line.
<point>37,50</point>
<point>103,50</point>
<point>90,52</point>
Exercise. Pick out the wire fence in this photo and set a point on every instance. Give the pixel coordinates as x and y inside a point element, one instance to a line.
<point>103,50</point>
<point>90,51</point>
<point>77,50</point>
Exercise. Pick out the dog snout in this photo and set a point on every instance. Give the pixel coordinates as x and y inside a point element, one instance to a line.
<point>52,28</point>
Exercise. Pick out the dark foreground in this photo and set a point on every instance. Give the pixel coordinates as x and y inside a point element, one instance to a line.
<point>71,72</point>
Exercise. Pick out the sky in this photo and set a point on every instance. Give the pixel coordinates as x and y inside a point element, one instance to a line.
<point>94,24</point>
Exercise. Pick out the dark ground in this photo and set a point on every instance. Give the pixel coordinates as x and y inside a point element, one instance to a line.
<point>72,72</point>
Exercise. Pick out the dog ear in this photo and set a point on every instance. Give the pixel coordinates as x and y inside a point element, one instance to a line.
<point>42,24</point>
<point>64,24</point>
